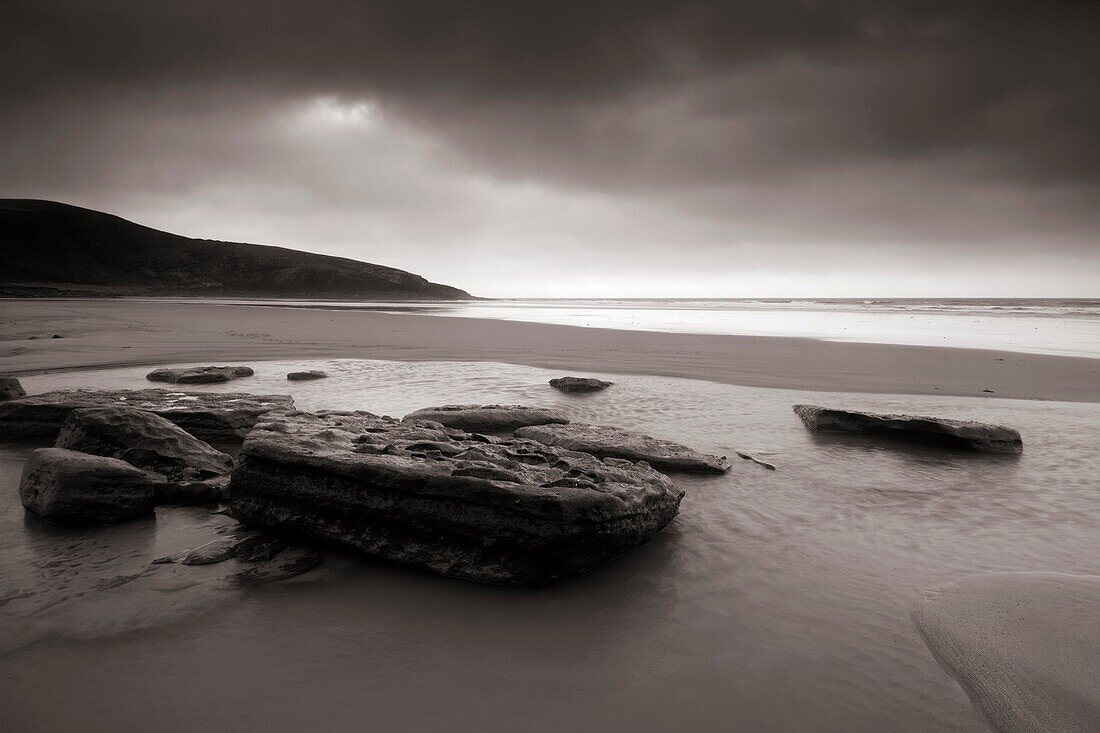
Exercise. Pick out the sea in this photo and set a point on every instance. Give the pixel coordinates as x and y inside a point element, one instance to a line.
<point>776,601</point>
<point>1069,327</point>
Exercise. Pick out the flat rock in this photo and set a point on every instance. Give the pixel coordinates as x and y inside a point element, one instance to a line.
<point>1024,646</point>
<point>305,376</point>
<point>579,384</point>
<point>611,442</point>
<point>208,416</point>
<point>143,439</point>
<point>489,418</point>
<point>974,436</point>
<point>67,486</point>
<point>511,512</point>
<point>200,375</point>
<point>11,389</point>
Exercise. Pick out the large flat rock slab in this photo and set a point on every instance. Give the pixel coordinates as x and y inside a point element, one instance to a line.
<point>208,416</point>
<point>1024,646</point>
<point>961,434</point>
<point>67,486</point>
<point>512,512</point>
<point>489,418</point>
<point>200,375</point>
<point>612,442</point>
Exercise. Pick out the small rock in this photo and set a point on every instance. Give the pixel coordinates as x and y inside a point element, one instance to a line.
<point>199,375</point>
<point>579,384</point>
<point>305,376</point>
<point>11,389</point>
<point>67,486</point>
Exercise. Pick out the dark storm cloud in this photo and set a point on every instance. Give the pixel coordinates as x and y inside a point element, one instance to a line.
<point>939,123</point>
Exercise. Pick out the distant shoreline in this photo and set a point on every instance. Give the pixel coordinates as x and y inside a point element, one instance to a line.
<point>105,333</point>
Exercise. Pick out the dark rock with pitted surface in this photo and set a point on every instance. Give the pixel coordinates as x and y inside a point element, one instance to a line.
<point>961,434</point>
<point>11,389</point>
<point>306,376</point>
<point>579,384</point>
<point>611,442</point>
<point>511,512</point>
<point>66,486</point>
<point>200,375</point>
<point>143,439</point>
<point>208,416</point>
<point>489,418</point>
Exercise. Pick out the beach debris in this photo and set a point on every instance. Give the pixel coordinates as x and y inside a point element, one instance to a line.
<point>208,416</point>
<point>579,384</point>
<point>748,457</point>
<point>306,376</point>
<point>199,375</point>
<point>512,512</point>
<point>147,440</point>
<point>962,434</point>
<point>1024,646</point>
<point>67,486</point>
<point>989,391</point>
<point>11,389</point>
<point>611,442</point>
<point>489,418</point>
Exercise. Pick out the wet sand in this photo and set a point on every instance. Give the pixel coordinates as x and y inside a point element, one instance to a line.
<point>1022,645</point>
<point>119,332</point>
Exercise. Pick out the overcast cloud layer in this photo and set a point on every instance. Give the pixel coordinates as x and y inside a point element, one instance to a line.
<point>584,149</point>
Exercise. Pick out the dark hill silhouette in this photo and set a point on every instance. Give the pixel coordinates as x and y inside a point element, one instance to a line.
<point>50,248</point>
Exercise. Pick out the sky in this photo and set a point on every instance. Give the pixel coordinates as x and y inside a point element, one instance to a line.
<point>584,149</point>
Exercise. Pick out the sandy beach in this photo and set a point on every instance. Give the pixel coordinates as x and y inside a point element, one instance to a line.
<point>118,332</point>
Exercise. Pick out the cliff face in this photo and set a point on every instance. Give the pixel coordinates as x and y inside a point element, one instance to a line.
<point>52,248</point>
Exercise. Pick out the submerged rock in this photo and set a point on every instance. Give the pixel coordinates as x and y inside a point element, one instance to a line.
<point>513,512</point>
<point>289,563</point>
<point>206,415</point>
<point>199,375</point>
<point>143,439</point>
<point>962,434</point>
<point>305,376</point>
<point>219,550</point>
<point>609,442</point>
<point>11,389</point>
<point>489,418</point>
<point>67,486</point>
<point>579,384</point>
<point>1024,646</point>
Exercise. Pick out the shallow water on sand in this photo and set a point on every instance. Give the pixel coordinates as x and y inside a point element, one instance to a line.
<point>776,601</point>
